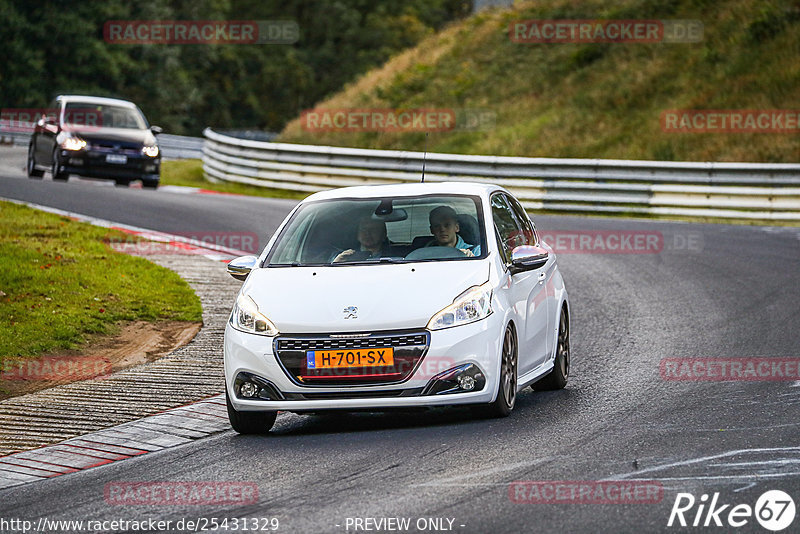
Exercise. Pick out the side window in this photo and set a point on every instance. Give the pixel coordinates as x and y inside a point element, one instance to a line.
<point>508,229</point>
<point>528,230</point>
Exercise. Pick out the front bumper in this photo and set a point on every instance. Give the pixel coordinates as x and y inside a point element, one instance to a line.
<point>93,164</point>
<point>477,343</point>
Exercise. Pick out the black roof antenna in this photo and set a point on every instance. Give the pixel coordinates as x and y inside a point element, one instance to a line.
<point>424,157</point>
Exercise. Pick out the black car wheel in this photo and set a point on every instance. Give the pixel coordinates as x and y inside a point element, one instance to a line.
<point>150,184</point>
<point>57,174</point>
<point>33,172</point>
<point>121,182</point>
<point>249,422</point>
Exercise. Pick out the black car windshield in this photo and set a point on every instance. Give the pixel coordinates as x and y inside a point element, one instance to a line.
<point>382,230</point>
<point>103,116</point>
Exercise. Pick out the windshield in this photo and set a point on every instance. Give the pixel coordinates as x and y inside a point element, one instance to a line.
<point>375,230</point>
<point>104,116</point>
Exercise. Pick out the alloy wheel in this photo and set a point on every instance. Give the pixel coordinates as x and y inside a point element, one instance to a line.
<point>508,372</point>
<point>563,344</point>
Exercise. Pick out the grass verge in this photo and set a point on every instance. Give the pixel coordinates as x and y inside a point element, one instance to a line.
<point>61,283</point>
<point>189,172</point>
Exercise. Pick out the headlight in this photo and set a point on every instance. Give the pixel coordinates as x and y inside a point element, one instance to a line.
<point>247,318</point>
<point>73,143</point>
<point>472,305</point>
<point>151,151</point>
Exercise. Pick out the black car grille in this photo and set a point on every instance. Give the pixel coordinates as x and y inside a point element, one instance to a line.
<point>328,343</point>
<point>408,348</point>
<point>108,146</point>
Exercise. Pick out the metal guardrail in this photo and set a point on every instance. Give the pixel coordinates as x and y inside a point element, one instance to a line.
<point>172,146</point>
<point>180,146</point>
<point>728,190</point>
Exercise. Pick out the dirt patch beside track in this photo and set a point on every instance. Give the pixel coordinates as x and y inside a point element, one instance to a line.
<point>137,342</point>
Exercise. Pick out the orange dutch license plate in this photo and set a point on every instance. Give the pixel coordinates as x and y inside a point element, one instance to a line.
<point>330,359</point>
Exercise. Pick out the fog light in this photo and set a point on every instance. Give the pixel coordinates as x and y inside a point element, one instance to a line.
<point>75,161</point>
<point>466,382</point>
<point>249,390</point>
<point>461,379</point>
<point>250,386</point>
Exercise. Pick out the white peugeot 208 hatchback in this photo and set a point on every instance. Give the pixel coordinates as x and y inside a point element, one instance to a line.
<point>396,296</point>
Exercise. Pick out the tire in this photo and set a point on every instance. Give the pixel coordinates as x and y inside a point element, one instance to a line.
<point>557,378</point>
<point>122,182</point>
<point>503,405</point>
<point>33,172</point>
<point>249,422</point>
<point>57,176</point>
<point>150,184</point>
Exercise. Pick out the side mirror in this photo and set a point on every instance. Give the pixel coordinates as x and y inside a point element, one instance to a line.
<point>240,267</point>
<point>156,130</point>
<point>528,258</point>
<point>48,120</point>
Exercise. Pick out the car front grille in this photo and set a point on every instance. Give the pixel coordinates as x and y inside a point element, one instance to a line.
<point>328,343</point>
<point>408,347</point>
<point>108,148</point>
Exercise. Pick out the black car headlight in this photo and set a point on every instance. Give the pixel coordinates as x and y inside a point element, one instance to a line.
<point>73,143</point>
<point>151,151</point>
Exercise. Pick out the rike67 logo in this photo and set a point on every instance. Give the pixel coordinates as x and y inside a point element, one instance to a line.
<point>774,510</point>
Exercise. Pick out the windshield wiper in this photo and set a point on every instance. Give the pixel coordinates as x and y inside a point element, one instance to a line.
<point>385,259</point>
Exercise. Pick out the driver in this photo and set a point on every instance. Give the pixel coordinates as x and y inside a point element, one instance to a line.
<point>445,228</point>
<point>372,238</point>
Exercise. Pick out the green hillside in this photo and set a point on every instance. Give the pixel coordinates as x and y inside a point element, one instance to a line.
<point>590,100</point>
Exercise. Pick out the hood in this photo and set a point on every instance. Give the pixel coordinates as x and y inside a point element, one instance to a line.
<point>124,136</point>
<point>388,297</point>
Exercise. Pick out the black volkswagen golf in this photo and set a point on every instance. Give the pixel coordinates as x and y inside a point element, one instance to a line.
<point>97,138</point>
